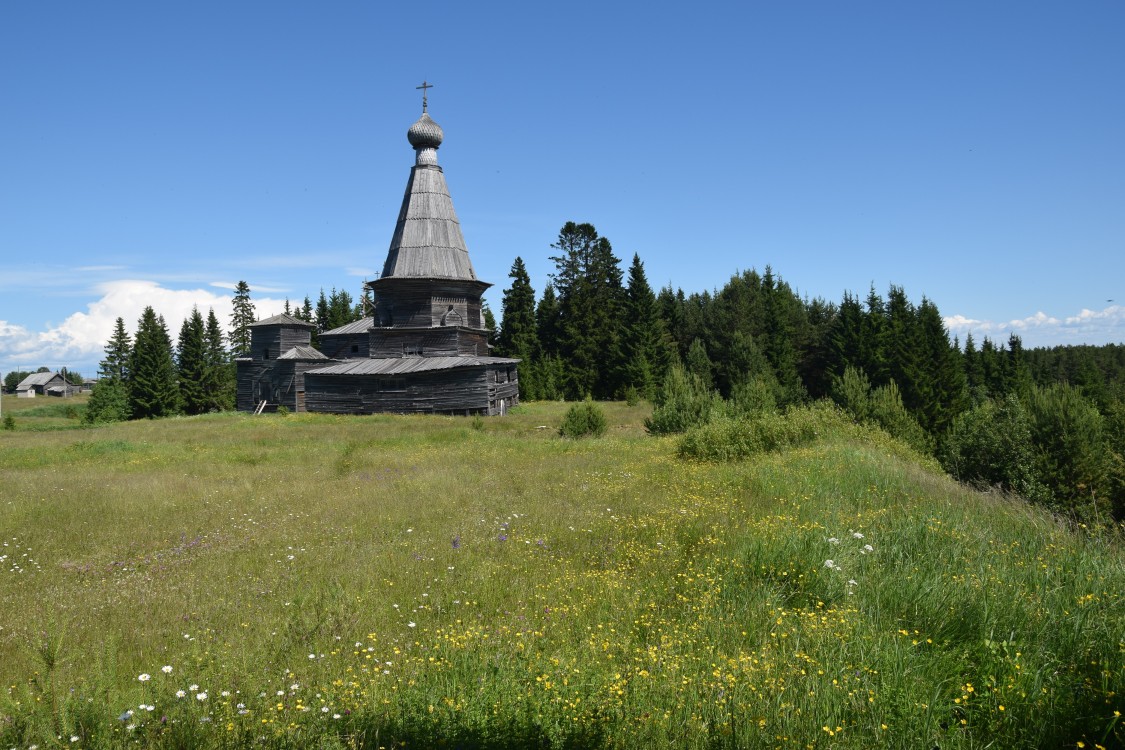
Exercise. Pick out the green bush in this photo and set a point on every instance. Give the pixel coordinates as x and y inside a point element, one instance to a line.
<point>585,419</point>
<point>282,410</point>
<point>1071,451</point>
<point>727,439</point>
<point>990,446</point>
<point>9,422</point>
<point>683,401</point>
<point>882,407</point>
<point>752,397</point>
<point>108,403</point>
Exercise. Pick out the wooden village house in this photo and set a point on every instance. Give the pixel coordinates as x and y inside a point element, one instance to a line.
<point>45,384</point>
<point>425,347</point>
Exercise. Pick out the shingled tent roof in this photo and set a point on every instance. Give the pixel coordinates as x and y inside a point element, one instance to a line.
<point>281,319</point>
<point>427,243</point>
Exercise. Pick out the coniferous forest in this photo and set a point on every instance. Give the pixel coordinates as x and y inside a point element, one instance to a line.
<point>1047,424</point>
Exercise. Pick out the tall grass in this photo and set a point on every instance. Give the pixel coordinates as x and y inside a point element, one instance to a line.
<point>347,582</point>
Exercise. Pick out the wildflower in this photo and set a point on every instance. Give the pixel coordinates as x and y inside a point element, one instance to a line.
<point>193,688</point>
<point>830,564</point>
<point>866,548</point>
<point>852,582</point>
<point>74,738</point>
<point>166,669</point>
<point>324,709</point>
<point>411,624</point>
<point>335,716</point>
<point>145,677</point>
<point>180,694</point>
<point>312,656</point>
<point>125,716</point>
<point>503,537</point>
<point>457,542</point>
<point>833,540</point>
<point>201,696</point>
<point>225,693</point>
<point>857,535</point>
<point>150,708</point>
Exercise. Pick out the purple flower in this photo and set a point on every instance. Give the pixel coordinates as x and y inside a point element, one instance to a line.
<point>503,537</point>
<point>457,542</point>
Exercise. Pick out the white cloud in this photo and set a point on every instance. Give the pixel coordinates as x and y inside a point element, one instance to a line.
<point>79,340</point>
<point>1087,327</point>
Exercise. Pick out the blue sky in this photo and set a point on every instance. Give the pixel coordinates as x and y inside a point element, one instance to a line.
<point>157,153</point>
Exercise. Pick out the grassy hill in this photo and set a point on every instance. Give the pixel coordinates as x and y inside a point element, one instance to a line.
<point>425,581</point>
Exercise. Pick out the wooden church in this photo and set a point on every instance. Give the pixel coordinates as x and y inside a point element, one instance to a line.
<point>424,349</point>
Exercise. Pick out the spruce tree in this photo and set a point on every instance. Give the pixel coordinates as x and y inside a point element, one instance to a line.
<point>591,296</point>
<point>220,378</point>
<point>778,335</point>
<point>646,358</point>
<point>941,385</point>
<point>323,313</point>
<point>241,317</point>
<point>518,337</point>
<point>109,401</point>
<point>152,371</point>
<point>898,347</point>
<point>192,365</point>
<point>489,322</point>
<point>117,352</point>
<point>974,373</point>
<point>548,323</point>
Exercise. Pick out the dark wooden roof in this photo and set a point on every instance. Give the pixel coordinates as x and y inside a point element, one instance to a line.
<point>363,325</point>
<point>281,319</point>
<point>427,242</point>
<point>407,365</point>
<point>303,353</point>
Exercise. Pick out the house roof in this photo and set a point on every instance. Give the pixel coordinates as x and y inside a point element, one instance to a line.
<point>303,353</point>
<point>281,319</point>
<point>362,325</point>
<point>427,242</point>
<point>36,378</point>
<point>407,365</point>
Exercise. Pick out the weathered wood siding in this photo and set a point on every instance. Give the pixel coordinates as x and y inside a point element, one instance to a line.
<point>424,303</point>
<point>460,391</point>
<point>270,342</point>
<point>345,346</point>
<point>427,342</point>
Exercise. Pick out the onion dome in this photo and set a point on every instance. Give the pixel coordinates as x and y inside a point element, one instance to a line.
<point>425,133</point>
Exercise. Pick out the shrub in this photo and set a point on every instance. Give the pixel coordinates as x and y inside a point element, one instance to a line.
<point>585,419</point>
<point>882,407</point>
<point>728,439</point>
<point>990,446</point>
<point>1071,450</point>
<point>9,422</point>
<point>752,397</point>
<point>684,401</point>
<point>282,410</point>
<point>108,403</point>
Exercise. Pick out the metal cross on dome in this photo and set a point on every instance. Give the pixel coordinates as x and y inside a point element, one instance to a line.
<point>424,86</point>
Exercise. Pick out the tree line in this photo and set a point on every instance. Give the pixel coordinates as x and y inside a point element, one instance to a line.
<point>1047,423</point>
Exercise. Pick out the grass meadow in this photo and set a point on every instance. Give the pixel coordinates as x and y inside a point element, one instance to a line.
<point>392,581</point>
